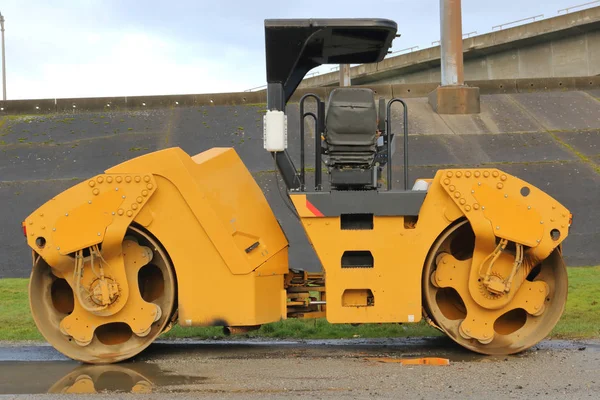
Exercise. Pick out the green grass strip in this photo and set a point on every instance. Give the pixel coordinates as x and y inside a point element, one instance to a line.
<point>581,318</point>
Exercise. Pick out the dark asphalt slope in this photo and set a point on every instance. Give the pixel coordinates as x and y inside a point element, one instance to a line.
<point>43,155</point>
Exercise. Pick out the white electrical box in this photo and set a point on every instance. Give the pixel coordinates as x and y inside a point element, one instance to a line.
<point>275,131</point>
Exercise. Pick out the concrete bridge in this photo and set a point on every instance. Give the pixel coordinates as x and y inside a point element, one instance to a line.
<point>564,46</point>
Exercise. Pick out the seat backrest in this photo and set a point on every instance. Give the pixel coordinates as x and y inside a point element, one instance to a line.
<point>351,117</point>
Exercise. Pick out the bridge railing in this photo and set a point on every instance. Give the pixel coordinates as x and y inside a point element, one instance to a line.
<point>532,19</point>
<point>568,9</point>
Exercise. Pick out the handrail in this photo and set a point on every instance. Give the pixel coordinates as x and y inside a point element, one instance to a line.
<point>302,170</point>
<point>388,134</point>
<point>254,88</point>
<point>566,10</point>
<point>409,49</point>
<point>517,21</point>
<point>467,35</point>
<point>320,130</point>
<point>317,117</point>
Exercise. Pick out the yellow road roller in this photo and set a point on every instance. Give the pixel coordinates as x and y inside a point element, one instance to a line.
<point>171,238</point>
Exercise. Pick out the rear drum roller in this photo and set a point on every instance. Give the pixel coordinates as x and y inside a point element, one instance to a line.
<point>52,299</point>
<point>514,330</point>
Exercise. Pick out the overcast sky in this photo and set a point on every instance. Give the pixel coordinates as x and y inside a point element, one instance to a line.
<point>90,48</point>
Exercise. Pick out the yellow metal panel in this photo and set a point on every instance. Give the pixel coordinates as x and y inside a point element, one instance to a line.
<point>208,293</point>
<point>73,219</point>
<point>487,197</point>
<point>480,322</point>
<point>98,210</point>
<point>356,297</point>
<point>84,226</point>
<point>138,313</point>
<point>399,254</point>
<point>199,213</point>
<point>500,205</point>
<point>224,199</point>
<point>227,248</point>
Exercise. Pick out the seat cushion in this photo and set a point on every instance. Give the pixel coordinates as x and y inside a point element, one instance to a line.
<point>351,118</point>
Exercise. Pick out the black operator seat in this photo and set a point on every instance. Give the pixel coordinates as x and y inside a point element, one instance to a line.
<point>351,127</point>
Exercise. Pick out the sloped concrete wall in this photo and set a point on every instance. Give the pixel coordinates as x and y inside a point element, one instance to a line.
<point>549,138</point>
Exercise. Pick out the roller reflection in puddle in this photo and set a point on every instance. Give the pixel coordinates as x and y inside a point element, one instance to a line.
<point>121,378</point>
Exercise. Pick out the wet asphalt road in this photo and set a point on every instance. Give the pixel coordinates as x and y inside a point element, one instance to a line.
<point>332,369</point>
<point>556,151</point>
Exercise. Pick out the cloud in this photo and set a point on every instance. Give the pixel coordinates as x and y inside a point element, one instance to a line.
<point>133,63</point>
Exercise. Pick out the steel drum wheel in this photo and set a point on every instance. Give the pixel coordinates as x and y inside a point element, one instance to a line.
<point>52,299</point>
<point>514,331</point>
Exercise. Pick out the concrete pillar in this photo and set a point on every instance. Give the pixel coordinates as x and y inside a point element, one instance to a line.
<point>345,75</point>
<point>453,72</point>
<point>453,97</point>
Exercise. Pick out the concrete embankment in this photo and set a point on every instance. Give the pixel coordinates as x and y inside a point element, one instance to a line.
<point>549,138</point>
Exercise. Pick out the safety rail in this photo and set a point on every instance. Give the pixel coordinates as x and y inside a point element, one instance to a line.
<point>566,10</point>
<point>388,135</point>
<point>501,26</point>
<point>319,119</point>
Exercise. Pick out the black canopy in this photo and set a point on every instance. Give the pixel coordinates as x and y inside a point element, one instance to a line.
<point>295,46</point>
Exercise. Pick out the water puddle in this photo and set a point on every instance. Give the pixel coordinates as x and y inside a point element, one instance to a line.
<point>70,377</point>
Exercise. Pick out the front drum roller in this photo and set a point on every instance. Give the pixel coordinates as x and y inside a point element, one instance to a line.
<point>52,300</point>
<point>509,330</point>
